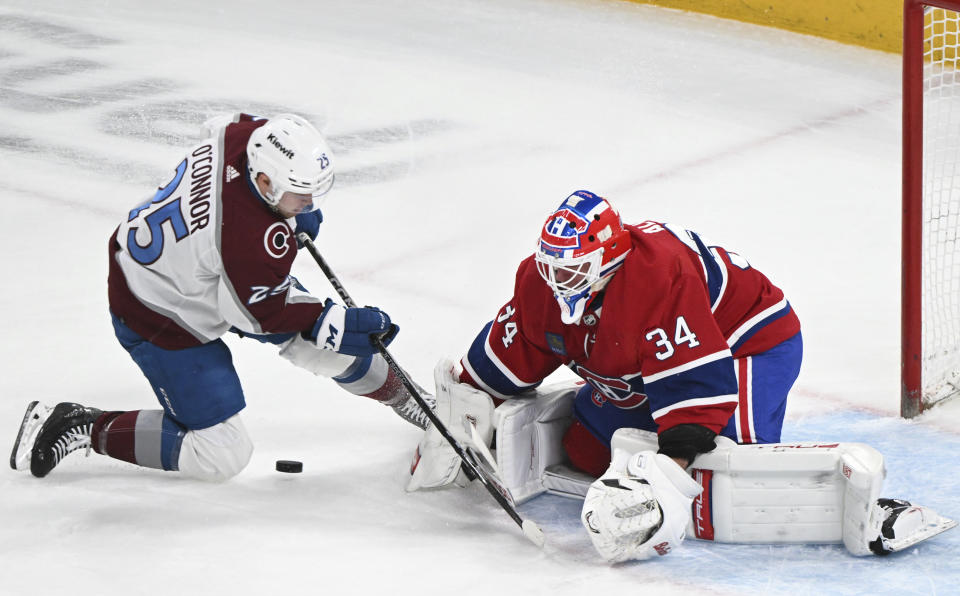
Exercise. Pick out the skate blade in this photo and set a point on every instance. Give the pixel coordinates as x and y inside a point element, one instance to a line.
<point>33,420</point>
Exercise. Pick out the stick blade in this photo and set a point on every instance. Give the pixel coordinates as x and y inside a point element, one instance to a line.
<point>533,532</point>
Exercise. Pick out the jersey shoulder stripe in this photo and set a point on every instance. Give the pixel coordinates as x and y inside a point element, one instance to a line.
<point>755,323</point>
<point>697,402</point>
<point>707,379</point>
<point>714,272</point>
<point>687,366</point>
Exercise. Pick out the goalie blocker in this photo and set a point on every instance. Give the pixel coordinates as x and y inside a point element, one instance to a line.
<point>645,504</point>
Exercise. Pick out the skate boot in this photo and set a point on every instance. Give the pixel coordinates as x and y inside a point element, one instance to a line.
<point>411,411</point>
<point>905,524</point>
<point>66,429</point>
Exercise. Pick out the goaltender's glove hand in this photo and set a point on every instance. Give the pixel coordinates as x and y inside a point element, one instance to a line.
<point>352,330</point>
<point>639,508</point>
<point>308,223</point>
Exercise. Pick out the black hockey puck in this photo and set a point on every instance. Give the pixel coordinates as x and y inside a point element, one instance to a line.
<point>289,466</point>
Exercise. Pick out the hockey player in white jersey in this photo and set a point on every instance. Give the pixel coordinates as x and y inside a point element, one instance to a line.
<point>211,252</point>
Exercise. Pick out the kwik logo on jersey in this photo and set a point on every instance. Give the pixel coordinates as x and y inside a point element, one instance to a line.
<point>624,393</point>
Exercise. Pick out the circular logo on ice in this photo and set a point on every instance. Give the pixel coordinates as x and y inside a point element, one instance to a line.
<point>276,240</point>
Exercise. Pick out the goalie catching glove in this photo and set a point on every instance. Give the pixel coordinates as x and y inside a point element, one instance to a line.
<point>639,508</point>
<point>435,463</point>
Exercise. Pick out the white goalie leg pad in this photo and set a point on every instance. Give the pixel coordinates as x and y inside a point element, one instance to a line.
<point>862,467</point>
<point>529,434</point>
<point>549,422</point>
<point>306,355</point>
<point>805,493</point>
<point>435,463</point>
<point>634,440</point>
<point>788,493</point>
<point>560,479</point>
<point>639,508</point>
<point>216,453</point>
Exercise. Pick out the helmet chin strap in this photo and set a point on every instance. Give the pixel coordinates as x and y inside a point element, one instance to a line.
<point>572,309</point>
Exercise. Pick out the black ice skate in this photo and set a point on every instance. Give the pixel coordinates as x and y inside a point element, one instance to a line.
<point>65,430</point>
<point>33,419</point>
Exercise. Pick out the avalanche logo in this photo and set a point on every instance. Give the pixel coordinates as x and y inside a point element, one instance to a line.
<point>563,229</point>
<point>625,393</point>
<point>276,240</point>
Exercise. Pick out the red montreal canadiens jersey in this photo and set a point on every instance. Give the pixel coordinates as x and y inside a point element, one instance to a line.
<point>662,335</point>
<point>205,254</point>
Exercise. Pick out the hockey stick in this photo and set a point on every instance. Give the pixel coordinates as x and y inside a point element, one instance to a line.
<point>471,462</point>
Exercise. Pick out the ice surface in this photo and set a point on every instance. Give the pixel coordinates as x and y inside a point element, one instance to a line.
<point>457,126</point>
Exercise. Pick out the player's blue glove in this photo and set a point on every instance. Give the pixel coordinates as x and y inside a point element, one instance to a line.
<point>352,330</point>
<point>310,223</point>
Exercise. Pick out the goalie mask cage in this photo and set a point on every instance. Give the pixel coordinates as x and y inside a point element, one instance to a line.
<point>930,302</point>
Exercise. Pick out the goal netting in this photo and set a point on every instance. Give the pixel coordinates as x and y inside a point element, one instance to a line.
<point>931,204</point>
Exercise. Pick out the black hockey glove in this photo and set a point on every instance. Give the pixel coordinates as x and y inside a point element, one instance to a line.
<point>686,441</point>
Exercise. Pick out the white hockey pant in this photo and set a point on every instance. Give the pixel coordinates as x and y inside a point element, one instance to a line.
<point>216,453</point>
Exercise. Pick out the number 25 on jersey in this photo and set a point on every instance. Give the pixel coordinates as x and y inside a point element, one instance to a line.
<point>145,255</point>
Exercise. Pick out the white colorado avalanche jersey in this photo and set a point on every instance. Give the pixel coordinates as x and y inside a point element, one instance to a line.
<point>205,254</point>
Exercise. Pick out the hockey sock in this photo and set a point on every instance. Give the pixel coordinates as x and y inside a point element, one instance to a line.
<point>391,392</point>
<point>371,377</point>
<point>147,438</point>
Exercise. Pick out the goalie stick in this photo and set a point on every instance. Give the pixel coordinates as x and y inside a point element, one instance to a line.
<point>472,461</point>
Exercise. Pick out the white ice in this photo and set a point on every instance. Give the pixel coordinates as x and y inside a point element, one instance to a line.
<point>458,126</point>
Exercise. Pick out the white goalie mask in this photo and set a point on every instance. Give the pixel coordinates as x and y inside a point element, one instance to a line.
<point>293,154</point>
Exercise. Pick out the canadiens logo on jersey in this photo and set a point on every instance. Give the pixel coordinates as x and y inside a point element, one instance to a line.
<point>625,393</point>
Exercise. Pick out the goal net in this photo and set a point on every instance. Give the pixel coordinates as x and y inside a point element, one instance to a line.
<point>931,204</point>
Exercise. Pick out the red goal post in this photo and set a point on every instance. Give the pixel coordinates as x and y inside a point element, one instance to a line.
<point>930,268</point>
